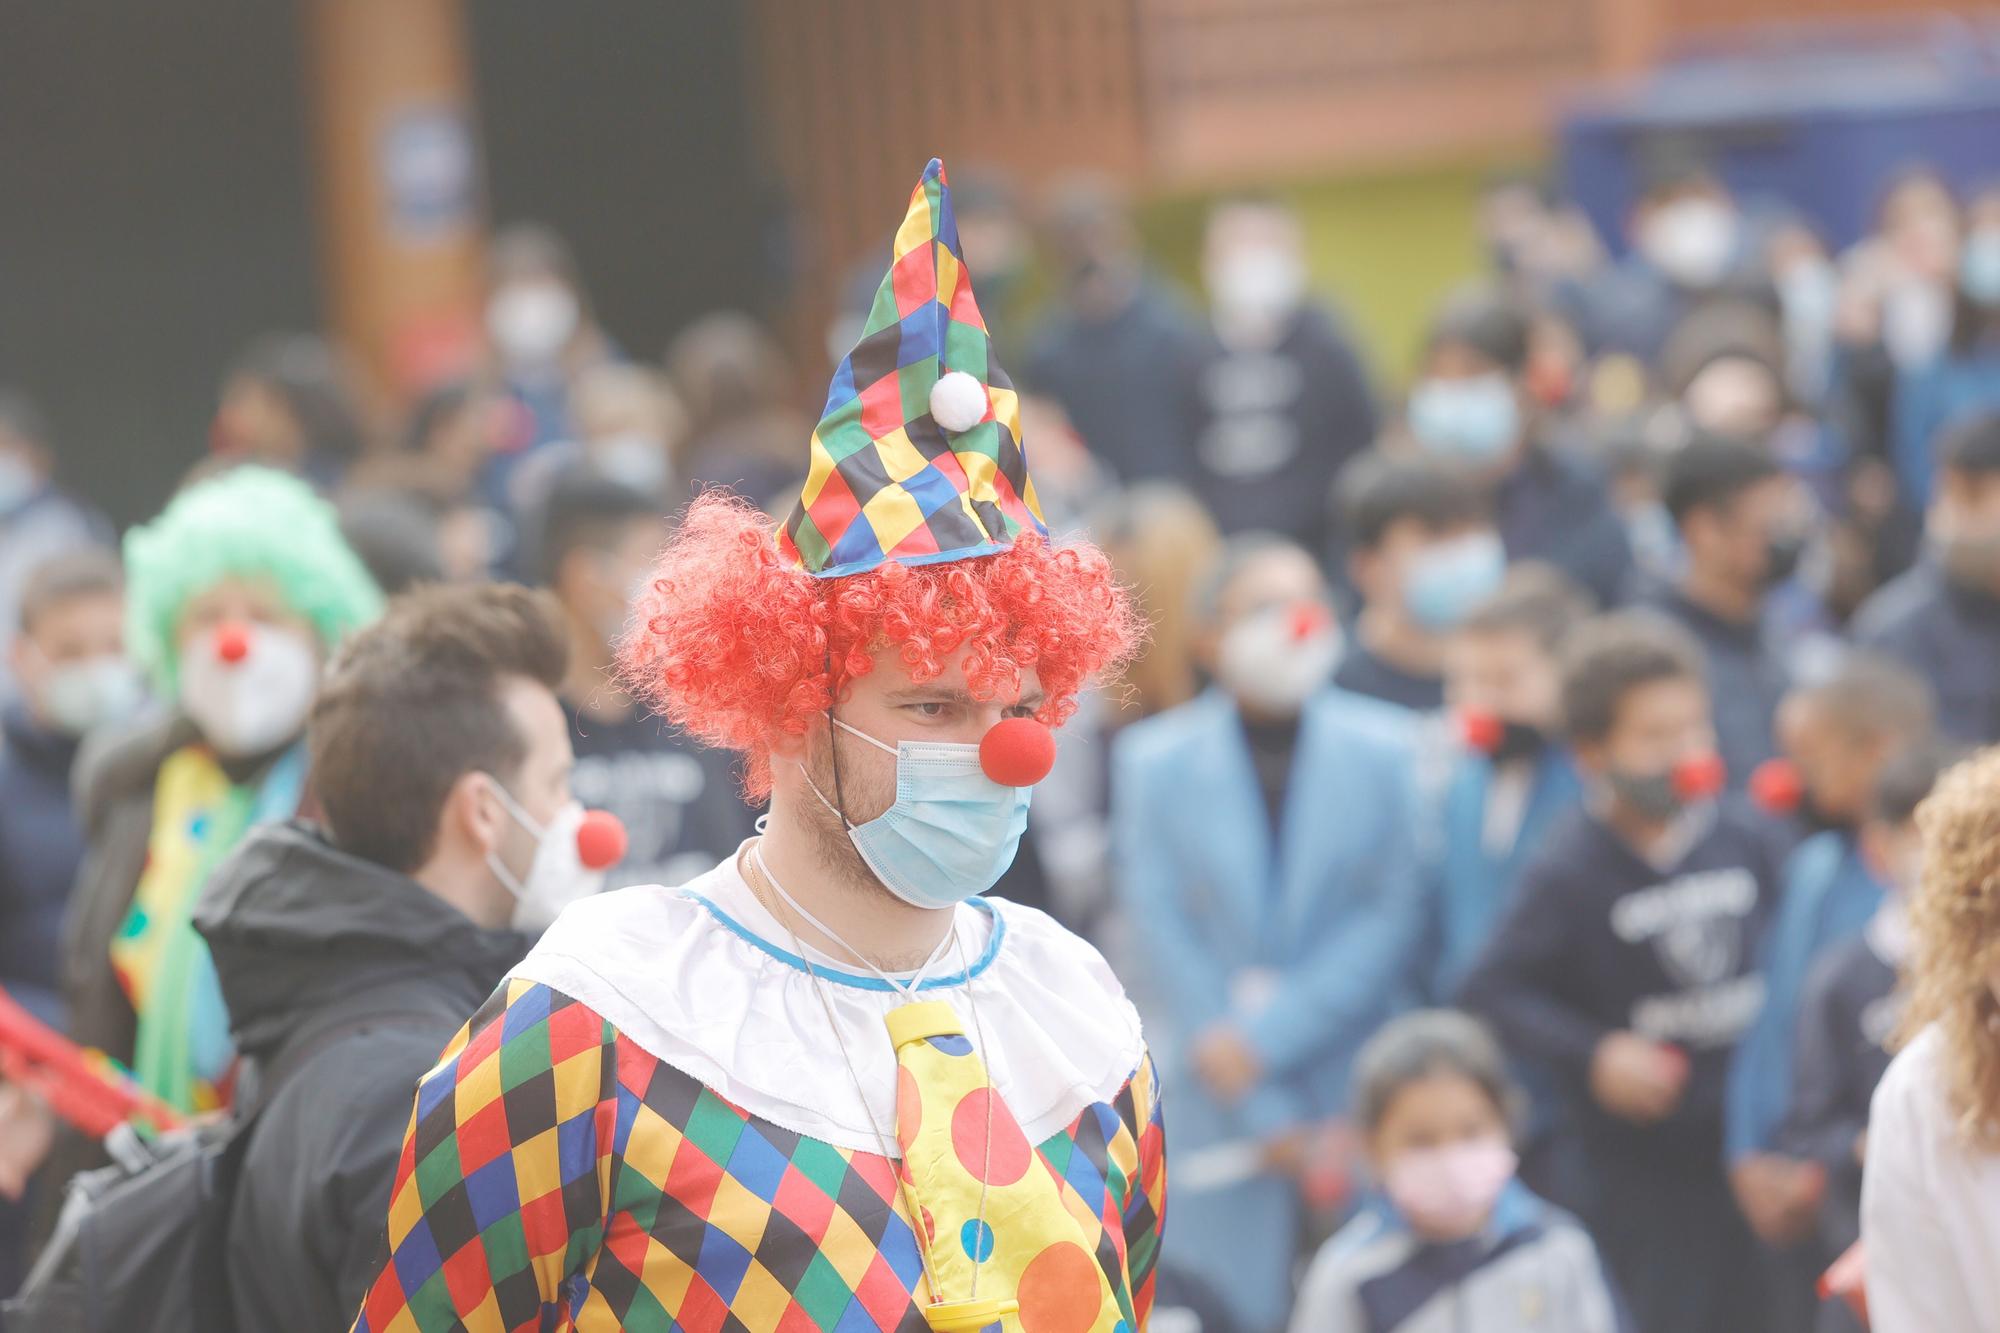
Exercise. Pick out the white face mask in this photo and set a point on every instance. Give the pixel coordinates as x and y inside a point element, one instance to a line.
<point>1264,282</point>
<point>1691,241</point>
<point>557,877</point>
<point>531,322</point>
<point>1276,658</point>
<point>633,459</point>
<point>79,697</point>
<point>249,687</point>
<point>19,483</point>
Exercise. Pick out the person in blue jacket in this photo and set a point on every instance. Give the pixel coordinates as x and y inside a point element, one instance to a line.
<point>1942,617</point>
<point>1264,836</point>
<point>1838,734</point>
<point>1503,682</point>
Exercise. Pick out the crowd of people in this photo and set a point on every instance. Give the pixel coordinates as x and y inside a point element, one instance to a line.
<point>1542,804</point>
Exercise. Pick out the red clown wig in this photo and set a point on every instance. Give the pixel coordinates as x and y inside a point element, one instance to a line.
<point>737,647</point>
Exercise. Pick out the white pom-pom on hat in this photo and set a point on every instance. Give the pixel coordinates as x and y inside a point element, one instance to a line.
<point>958,401</point>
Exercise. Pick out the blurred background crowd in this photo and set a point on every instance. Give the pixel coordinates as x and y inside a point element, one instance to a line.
<point>1569,525</point>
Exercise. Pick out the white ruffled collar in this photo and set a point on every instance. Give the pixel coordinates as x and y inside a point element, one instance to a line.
<point>705,979</point>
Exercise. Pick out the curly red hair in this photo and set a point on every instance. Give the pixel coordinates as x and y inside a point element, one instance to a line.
<point>736,647</point>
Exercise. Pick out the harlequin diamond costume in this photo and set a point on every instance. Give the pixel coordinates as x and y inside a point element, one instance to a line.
<point>674,1114</point>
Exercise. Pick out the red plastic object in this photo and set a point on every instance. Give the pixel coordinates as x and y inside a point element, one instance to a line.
<point>232,643</point>
<point>59,1071</point>
<point>1481,731</point>
<point>1778,786</point>
<point>1017,752</point>
<point>1699,776</point>
<point>1308,619</point>
<point>600,840</point>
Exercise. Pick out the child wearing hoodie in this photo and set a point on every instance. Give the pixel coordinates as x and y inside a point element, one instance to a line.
<point>1450,1242</point>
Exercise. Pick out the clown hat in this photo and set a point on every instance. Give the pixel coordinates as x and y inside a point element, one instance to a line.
<point>918,457</point>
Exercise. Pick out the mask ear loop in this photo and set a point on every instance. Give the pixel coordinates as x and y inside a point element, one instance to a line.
<point>833,746</point>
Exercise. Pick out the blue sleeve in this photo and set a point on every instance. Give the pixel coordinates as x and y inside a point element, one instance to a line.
<point>1760,1072</point>
<point>1334,995</point>
<point>1186,973</point>
<point>1514,982</point>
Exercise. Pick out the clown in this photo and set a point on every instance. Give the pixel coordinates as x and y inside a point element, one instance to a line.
<point>827,1085</point>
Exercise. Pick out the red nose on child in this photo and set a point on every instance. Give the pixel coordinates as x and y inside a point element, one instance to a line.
<point>232,643</point>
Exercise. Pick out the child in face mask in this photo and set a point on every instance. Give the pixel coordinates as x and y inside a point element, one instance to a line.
<point>1627,964</point>
<point>1422,553</point>
<point>1852,1006</point>
<point>1451,1241</point>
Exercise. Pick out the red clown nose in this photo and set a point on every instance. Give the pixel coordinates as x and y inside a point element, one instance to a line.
<point>1699,776</point>
<point>232,643</point>
<point>1017,752</point>
<point>1777,786</point>
<point>1481,731</point>
<point>600,840</point>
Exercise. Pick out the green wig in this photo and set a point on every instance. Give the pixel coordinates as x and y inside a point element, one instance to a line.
<point>248,523</point>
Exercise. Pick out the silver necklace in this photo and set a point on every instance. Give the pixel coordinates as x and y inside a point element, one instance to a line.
<point>908,992</point>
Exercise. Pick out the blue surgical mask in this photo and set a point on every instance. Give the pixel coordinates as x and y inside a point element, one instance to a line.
<point>1474,419</point>
<point>1447,581</point>
<point>1979,266</point>
<point>951,833</point>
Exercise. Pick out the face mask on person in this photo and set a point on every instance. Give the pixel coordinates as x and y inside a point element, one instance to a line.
<point>1808,294</point>
<point>633,459</point>
<point>1782,554</point>
<point>1277,657</point>
<point>1473,419</point>
<point>572,852</point>
<point>1262,282</point>
<point>1691,241</point>
<point>1979,266</point>
<point>79,697</point>
<point>1442,584</point>
<point>1447,1193</point>
<point>1503,740</point>
<point>249,687</point>
<point>1662,795</point>
<point>952,831</point>
<point>531,322</point>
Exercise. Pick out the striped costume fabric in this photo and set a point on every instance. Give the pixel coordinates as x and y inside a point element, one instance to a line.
<point>886,482</point>
<point>556,1177</point>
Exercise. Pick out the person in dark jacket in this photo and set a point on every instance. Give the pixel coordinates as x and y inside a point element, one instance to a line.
<point>681,804</point>
<point>69,660</point>
<point>1742,522</point>
<point>1942,617</point>
<point>351,954</point>
<point>1281,398</point>
<point>1473,405</point>
<point>1422,554</point>
<point>1627,964</point>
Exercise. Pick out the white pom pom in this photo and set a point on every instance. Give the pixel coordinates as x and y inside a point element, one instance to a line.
<point>958,401</point>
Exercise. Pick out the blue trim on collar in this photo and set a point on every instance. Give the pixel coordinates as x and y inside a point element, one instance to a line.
<point>859,982</point>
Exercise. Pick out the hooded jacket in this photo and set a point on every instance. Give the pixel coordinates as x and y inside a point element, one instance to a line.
<point>365,976</point>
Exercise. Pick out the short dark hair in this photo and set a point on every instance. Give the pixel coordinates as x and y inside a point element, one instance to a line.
<point>309,374</point>
<point>411,704</point>
<point>586,510</point>
<point>1423,1043</point>
<point>87,571</point>
<point>1908,777</point>
<point>1379,490</point>
<point>1971,444</point>
<point>1712,470</point>
<point>1870,695</point>
<point>1534,599</point>
<point>1607,658</point>
<point>1490,320</point>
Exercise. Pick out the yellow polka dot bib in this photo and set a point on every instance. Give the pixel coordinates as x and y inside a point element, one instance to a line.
<point>1030,1252</point>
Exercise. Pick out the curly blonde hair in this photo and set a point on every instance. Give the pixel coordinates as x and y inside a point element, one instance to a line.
<point>1955,920</point>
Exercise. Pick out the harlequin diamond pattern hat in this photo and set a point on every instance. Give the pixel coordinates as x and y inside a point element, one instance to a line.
<point>918,457</point>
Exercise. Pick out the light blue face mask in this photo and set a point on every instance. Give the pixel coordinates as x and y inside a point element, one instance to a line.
<point>1446,582</point>
<point>1474,419</point>
<point>1979,266</point>
<point>951,833</point>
